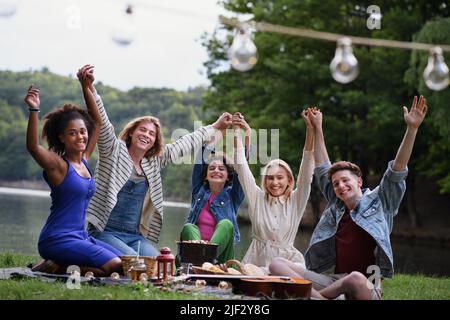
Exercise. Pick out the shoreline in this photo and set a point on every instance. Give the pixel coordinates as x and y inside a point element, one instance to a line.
<point>438,236</point>
<point>46,194</point>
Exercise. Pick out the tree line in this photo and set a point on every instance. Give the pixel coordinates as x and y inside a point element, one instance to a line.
<point>363,120</point>
<point>174,109</point>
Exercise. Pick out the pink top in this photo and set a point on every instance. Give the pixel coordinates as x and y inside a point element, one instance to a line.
<point>206,221</point>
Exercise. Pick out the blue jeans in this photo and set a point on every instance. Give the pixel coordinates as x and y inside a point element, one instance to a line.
<point>122,229</point>
<point>127,243</point>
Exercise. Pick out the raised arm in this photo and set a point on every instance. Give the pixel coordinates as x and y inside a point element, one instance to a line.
<point>306,171</point>
<point>320,150</point>
<point>107,137</point>
<point>194,140</point>
<point>413,119</point>
<point>322,161</point>
<point>238,122</point>
<point>86,78</point>
<point>310,133</point>
<point>48,160</point>
<point>245,176</point>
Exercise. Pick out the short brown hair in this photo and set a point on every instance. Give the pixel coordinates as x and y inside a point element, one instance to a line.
<point>344,165</point>
<point>157,147</point>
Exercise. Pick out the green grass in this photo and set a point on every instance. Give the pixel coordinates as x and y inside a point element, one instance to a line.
<point>35,289</point>
<point>401,287</point>
<point>416,287</point>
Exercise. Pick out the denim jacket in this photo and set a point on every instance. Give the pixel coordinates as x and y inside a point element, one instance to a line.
<point>224,206</point>
<point>374,213</point>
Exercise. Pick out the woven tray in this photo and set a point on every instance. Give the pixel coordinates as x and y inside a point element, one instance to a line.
<point>200,270</point>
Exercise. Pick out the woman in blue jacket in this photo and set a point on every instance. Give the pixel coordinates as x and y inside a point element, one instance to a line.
<point>216,198</point>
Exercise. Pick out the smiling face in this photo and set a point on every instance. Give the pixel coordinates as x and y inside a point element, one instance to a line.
<point>217,173</point>
<point>347,186</point>
<point>276,181</point>
<point>143,136</point>
<point>75,136</point>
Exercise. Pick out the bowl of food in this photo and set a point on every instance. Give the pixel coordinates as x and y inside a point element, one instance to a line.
<point>197,252</point>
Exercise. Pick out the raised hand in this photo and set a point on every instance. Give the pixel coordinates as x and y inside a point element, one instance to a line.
<point>415,116</point>
<point>306,118</point>
<point>32,98</point>
<point>238,121</point>
<point>315,116</point>
<point>223,122</point>
<point>86,75</point>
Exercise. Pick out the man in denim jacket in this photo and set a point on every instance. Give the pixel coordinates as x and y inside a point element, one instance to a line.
<point>353,233</point>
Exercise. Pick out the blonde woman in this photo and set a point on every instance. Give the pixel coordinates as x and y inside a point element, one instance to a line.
<point>275,208</point>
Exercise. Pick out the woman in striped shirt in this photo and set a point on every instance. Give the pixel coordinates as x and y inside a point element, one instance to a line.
<point>127,207</point>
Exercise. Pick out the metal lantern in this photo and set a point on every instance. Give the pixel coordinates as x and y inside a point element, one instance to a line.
<point>166,264</point>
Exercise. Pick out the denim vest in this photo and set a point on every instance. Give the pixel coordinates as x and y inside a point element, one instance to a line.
<point>126,215</point>
<point>374,213</point>
<point>224,206</point>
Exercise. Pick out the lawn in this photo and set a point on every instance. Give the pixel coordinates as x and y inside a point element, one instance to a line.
<point>401,287</point>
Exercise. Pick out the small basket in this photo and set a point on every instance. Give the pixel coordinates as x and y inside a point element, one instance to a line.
<point>150,263</point>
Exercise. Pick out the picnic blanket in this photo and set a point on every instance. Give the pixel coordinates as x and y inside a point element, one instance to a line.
<point>24,272</point>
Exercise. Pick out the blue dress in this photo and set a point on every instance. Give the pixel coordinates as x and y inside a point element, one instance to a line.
<point>63,238</point>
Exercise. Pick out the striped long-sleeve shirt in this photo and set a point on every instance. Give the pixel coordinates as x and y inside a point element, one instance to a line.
<point>115,166</point>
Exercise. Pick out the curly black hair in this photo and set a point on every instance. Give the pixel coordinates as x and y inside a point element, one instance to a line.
<point>55,122</point>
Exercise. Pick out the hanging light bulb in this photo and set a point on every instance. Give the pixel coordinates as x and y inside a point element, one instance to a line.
<point>8,8</point>
<point>125,29</point>
<point>436,73</point>
<point>344,66</point>
<point>242,53</point>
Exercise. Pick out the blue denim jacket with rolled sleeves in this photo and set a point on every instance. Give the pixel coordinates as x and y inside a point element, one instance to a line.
<point>224,206</point>
<point>374,213</point>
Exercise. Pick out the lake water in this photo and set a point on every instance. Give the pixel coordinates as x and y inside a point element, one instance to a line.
<point>22,217</point>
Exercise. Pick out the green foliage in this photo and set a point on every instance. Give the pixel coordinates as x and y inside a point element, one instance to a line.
<point>363,120</point>
<point>436,161</point>
<point>174,109</point>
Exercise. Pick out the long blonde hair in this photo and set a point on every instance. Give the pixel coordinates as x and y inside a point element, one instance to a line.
<point>158,146</point>
<point>278,163</point>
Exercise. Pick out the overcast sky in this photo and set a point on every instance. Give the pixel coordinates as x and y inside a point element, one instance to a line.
<point>66,34</point>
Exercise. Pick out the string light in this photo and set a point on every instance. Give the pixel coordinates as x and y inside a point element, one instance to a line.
<point>8,8</point>
<point>344,66</point>
<point>125,29</point>
<point>436,73</point>
<point>242,52</point>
